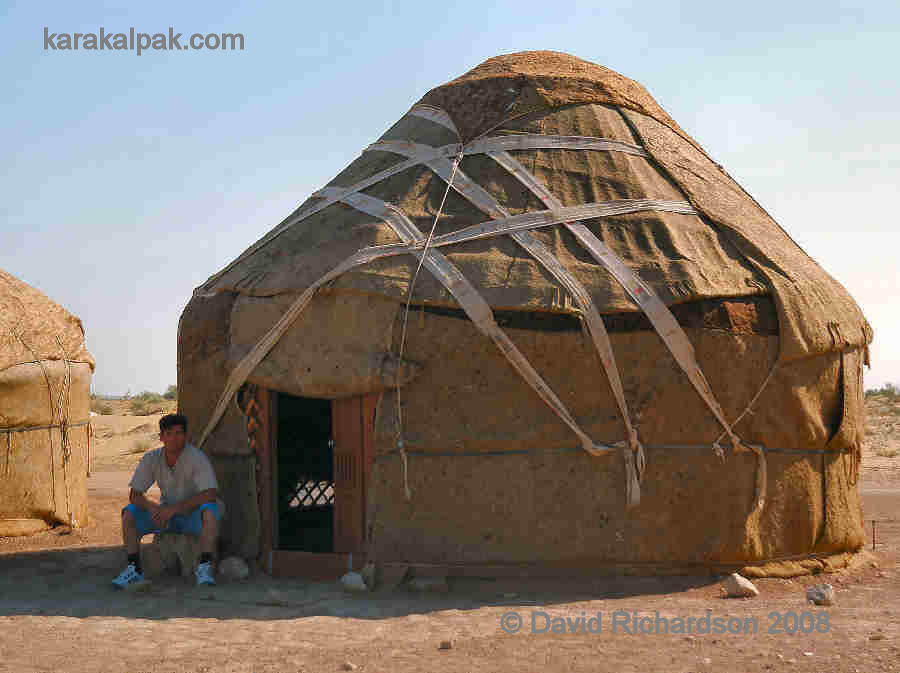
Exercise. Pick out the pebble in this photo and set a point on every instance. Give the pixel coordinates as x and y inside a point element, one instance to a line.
<point>739,587</point>
<point>707,660</point>
<point>876,636</point>
<point>349,666</point>
<point>353,581</point>
<point>234,568</point>
<point>820,594</point>
<point>446,645</point>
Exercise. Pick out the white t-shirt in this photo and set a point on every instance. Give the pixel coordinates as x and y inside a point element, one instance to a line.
<point>192,474</point>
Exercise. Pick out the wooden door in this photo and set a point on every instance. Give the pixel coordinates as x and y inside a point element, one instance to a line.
<point>352,422</point>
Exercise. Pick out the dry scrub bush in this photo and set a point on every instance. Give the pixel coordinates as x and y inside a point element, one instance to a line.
<point>142,445</point>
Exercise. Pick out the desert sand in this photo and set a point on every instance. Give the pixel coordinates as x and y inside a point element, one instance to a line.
<point>58,611</point>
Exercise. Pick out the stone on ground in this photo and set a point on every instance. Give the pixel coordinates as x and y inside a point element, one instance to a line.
<point>353,581</point>
<point>820,594</point>
<point>234,568</point>
<point>739,587</point>
<point>171,551</point>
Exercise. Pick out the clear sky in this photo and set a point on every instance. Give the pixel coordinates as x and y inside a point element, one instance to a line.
<point>128,180</point>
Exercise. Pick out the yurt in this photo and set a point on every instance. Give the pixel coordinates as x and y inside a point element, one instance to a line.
<point>45,391</point>
<point>533,328</point>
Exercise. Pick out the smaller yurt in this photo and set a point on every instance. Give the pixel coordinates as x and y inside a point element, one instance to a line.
<point>45,384</point>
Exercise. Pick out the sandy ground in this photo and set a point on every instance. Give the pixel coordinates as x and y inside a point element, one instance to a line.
<point>58,612</point>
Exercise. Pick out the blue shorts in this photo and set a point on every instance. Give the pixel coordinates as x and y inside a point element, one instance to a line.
<point>190,524</point>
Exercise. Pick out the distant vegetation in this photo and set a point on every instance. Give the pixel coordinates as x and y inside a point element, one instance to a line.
<point>142,404</point>
<point>147,403</point>
<point>100,406</point>
<point>888,390</point>
<point>141,445</point>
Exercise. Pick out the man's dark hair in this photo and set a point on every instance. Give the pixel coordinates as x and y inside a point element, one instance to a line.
<point>171,420</point>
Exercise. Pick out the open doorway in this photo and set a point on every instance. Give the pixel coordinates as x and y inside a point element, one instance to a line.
<point>305,473</point>
<point>315,458</point>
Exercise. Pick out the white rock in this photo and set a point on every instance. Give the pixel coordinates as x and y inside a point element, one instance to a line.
<point>820,594</point>
<point>234,568</point>
<point>353,581</point>
<point>349,666</point>
<point>736,586</point>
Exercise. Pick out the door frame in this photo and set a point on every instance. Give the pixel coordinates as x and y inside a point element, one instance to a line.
<point>262,429</point>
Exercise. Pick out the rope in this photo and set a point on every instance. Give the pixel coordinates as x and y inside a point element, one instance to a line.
<point>752,401</point>
<point>761,471</point>
<point>49,428</point>
<point>90,436</point>
<point>63,430</point>
<point>575,449</point>
<point>31,428</point>
<point>437,216</point>
<point>64,420</point>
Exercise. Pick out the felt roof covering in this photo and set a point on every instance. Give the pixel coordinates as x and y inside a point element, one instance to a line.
<point>728,247</point>
<point>31,322</point>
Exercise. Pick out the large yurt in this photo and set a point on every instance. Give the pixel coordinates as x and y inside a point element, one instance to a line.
<point>45,390</point>
<point>533,328</point>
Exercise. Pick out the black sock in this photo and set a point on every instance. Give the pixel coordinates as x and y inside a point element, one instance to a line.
<point>136,560</point>
<point>205,557</point>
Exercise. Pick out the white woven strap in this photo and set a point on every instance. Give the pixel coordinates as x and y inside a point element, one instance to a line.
<point>516,226</point>
<point>643,295</point>
<point>480,146</point>
<point>498,227</point>
<point>633,453</point>
<point>434,114</point>
<point>478,310</point>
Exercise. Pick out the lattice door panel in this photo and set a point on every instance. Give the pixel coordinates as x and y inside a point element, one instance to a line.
<point>312,494</point>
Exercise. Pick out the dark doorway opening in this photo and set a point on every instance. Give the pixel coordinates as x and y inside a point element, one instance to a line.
<point>305,472</point>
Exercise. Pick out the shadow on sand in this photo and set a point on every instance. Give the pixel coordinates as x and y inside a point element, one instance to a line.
<point>77,583</point>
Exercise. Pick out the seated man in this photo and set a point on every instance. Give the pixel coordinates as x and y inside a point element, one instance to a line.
<point>188,504</point>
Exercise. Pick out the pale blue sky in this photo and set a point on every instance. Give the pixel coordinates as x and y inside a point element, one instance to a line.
<point>128,180</point>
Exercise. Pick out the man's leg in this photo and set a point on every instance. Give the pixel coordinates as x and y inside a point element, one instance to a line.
<point>136,523</point>
<point>209,531</point>
<point>130,532</point>
<point>204,521</point>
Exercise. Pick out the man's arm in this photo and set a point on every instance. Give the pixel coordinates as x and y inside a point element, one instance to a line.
<point>139,499</point>
<point>192,503</point>
<point>162,513</point>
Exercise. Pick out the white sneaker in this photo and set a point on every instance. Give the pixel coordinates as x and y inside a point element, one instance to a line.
<point>204,573</point>
<point>129,578</point>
